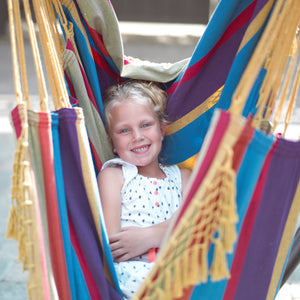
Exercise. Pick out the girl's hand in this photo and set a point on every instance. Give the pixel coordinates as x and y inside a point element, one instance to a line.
<point>129,242</point>
<point>133,241</point>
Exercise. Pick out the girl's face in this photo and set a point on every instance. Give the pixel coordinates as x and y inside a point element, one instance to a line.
<point>136,133</point>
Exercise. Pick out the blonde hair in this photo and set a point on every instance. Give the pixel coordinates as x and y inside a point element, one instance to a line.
<point>141,92</point>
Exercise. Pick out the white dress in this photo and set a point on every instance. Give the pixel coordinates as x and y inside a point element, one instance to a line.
<point>145,202</point>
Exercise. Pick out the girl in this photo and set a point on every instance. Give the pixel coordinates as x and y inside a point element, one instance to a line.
<point>138,194</point>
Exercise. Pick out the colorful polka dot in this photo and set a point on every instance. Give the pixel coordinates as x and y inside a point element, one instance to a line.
<point>146,201</point>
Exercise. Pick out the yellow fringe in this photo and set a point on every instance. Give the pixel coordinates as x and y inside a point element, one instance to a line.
<point>11,232</point>
<point>212,211</point>
<point>203,263</point>
<point>177,292</point>
<point>230,236</point>
<point>219,269</point>
<point>167,283</point>
<point>187,266</point>
<point>194,265</point>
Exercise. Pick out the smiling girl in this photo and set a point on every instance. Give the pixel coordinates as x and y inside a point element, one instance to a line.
<point>138,194</point>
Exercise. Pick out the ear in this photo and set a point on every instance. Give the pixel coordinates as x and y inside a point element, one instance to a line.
<point>163,129</point>
<point>114,151</point>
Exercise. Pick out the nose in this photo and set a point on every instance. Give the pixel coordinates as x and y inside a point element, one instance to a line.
<point>137,134</point>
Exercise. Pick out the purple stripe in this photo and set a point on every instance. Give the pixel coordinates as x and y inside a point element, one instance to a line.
<point>275,204</point>
<point>207,81</point>
<point>106,80</point>
<point>259,6</point>
<point>77,202</point>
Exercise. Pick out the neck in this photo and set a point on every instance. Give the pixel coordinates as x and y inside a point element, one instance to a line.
<point>152,171</point>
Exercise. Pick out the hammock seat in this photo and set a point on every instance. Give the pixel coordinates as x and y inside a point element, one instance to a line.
<point>233,232</point>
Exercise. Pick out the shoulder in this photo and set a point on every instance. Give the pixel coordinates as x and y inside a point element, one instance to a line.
<point>111,176</point>
<point>185,176</point>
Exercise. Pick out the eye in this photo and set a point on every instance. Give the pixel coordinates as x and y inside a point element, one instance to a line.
<point>145,125</point>
<point>124,130</point>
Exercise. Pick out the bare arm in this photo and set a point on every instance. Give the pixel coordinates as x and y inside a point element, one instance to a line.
<point>134,241</point>
<point>110,182</point>
<point>185,176</point>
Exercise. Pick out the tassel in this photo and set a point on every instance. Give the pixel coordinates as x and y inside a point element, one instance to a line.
<point>194,264</point>
<point>168,283</point>
<point>219,269</point>
<point>22,249</point>
<point>230,236</point>
<point>186,266</point>
<point>177,279</point>
<point>203,263</point>
<point>160,294</point>
<point>11,232</point>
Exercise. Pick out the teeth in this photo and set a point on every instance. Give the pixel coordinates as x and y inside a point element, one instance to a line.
<point>140,149</point>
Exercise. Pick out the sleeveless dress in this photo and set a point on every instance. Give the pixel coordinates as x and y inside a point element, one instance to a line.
<point>145,202</point>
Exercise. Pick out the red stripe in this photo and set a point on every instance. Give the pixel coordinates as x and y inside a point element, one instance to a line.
<point>15,116</point>
<point>70,86</point>
<point>101,62</point>
<point>98,40</point>
<point>246,231</point>
<point>238,22</point>
<point>219,130</point>
<point>56,246</point>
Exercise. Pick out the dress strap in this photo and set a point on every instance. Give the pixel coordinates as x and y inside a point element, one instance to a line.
<point>129,171</point>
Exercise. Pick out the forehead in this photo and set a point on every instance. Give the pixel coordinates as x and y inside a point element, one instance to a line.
<point>131,111</point>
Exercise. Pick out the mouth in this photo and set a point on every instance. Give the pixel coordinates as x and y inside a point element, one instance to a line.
<point>141,149</point>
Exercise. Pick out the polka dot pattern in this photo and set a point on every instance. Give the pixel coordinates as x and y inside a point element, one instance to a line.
<point>145,202</point>
<point>145,199</point>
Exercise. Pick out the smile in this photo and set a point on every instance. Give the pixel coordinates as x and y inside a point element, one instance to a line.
<point>141,149</point>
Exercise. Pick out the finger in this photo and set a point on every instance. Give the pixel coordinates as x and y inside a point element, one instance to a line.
<point>114,238</point>
<point>122,258</point>
<point>117,254</point>
<point>115,246</point>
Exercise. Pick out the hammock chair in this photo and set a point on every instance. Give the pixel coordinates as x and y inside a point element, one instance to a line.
<point>232,235</point>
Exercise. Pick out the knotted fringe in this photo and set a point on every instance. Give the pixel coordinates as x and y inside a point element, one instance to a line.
<point>210,217</point>
<point>228,217</point>
<point>219,269</point>
<point>15,227</point>
<point>20,225</point>
<point>177,291</point>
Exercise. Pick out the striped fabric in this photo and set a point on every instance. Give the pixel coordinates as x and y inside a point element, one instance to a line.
<point>194,86</point>
<point>247,178</point>
<point>82,198</point>
<point>71,248</point>
<point>259,173</point>
<point>24,223</point>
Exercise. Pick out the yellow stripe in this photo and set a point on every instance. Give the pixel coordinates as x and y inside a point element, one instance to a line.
<point>284,244</point>
<point>213,99</point>
<point>195,113</point>
<point>189,163</point>
<point>256,24</point>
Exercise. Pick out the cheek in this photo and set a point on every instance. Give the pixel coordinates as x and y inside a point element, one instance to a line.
<point>119,143</point>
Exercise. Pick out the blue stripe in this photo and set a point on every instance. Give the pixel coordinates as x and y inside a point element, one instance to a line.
<point>78,286</point>
<point>87,61</point>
